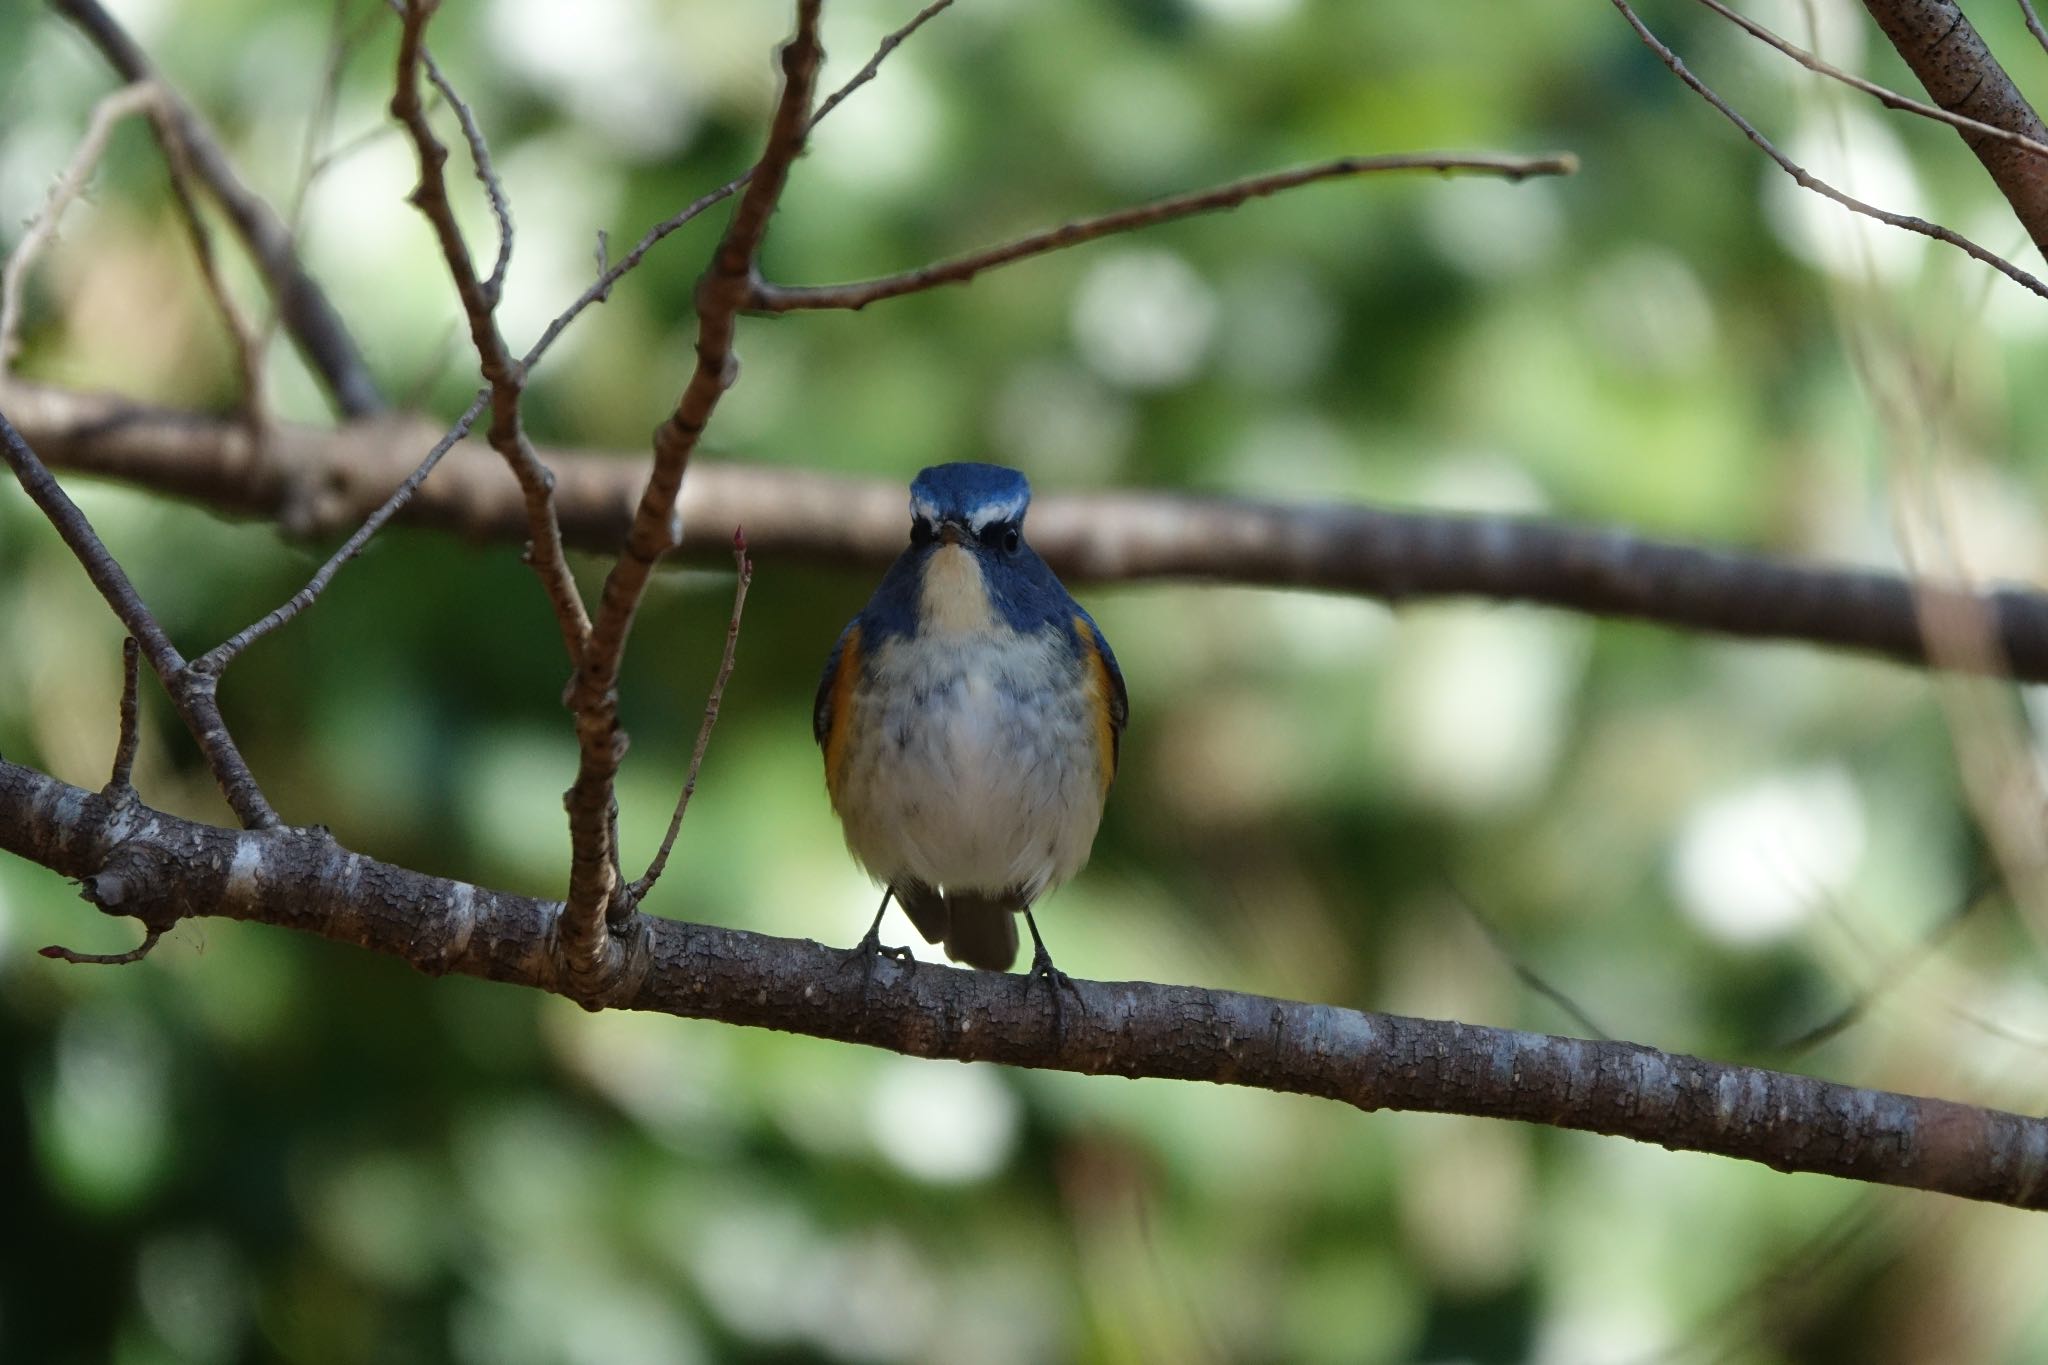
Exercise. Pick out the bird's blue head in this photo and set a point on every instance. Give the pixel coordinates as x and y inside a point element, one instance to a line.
<point>969,504</point>
<point>967,568</point>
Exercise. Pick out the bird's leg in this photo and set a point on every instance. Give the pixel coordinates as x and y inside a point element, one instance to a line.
<point>1056,981</point>
<point>871,946</point>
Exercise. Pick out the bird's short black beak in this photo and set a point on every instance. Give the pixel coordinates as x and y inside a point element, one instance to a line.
<point>952,532</point>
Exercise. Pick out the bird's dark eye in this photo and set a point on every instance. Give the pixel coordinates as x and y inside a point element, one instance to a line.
<point>921,532</point>
<point>1002,535</point>
<point>1012,541</point>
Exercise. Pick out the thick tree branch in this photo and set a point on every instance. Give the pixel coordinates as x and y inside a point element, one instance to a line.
<point>309,319</point>
<point>722,290</point>
<point>191,689</point>
<point>776,298</point>
<point>136,861</point>
<point>1960,74</point>
<point>796,516</point>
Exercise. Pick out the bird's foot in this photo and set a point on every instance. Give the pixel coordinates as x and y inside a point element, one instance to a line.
<point>1056,982</point>
<point>864,954</point>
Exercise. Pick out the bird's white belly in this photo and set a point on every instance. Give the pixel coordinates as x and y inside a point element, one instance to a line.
<point>973,764</point>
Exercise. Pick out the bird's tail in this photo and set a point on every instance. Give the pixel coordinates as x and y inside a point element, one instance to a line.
<point>979,930</point>
<point>925,907</point>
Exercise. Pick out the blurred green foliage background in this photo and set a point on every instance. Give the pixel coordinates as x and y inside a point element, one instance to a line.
<point>258,1146</point>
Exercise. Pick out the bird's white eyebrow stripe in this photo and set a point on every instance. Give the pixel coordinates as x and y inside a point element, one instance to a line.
<point>1006,509</point>
<point>1009,509</point>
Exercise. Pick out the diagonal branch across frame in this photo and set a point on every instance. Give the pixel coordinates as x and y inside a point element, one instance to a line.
<point>302,879</point>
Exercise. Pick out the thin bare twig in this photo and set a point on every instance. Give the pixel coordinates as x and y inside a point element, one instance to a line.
<point>1807,180</point>
<point>1820,1265</point>
<point>135,954</point>
<point>1895,969</point>
<point>506,377</point>
<point>2034,23</point>
<point>246,338</point>
<point>874,64</point>
<point>352,145</point>
<point>1889,974</point>
<point>148,97</point>
<point>1525,973</point>
<point>309,318</point>
<point>1993,751</point>
<point>722,291</point>
<point>610,274</point>
<point>314,156</point>
<point>191,690</point>
<point>122,778</point>
<point>1884,95</point>
<point>775,298</point>
<point>486,174</point>
<point>637,892</point>
<point>109,112</point>
<point>217,660</point>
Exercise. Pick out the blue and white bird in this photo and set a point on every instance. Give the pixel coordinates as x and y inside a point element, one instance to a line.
<point>970,718</point>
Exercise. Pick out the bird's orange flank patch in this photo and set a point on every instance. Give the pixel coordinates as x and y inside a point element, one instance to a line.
<point>839,722</point>
<point>1095,676</point>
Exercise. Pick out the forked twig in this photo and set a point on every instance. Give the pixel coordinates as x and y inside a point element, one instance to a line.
<point>506,377</point>
<point>609,273</point>
<point>775,298</point>
<point>191,690</point>
<point>486,174</point>
<point>722,291</point>
<point>637,892</point>
<point>1807,180</point>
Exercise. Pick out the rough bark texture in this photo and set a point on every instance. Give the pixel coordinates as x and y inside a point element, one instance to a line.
<point>318,482</point>
<point>1960,74</point>
<point>135,861</point>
